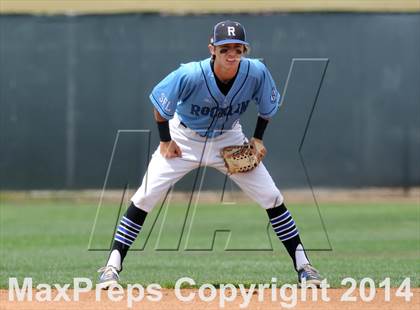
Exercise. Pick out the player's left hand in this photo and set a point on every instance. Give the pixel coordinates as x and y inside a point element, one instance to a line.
<point>259,148</point>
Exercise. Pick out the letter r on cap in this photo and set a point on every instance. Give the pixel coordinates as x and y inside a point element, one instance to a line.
<point>231,31</point>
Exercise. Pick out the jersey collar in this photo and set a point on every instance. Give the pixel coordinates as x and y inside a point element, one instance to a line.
<point>241,76</point>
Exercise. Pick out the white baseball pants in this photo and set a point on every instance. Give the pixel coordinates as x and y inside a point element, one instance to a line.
<point>163,173</point>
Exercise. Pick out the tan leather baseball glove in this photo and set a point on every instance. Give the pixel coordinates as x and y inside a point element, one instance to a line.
<point>243,158</point>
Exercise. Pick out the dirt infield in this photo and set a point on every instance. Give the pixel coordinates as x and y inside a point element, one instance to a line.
<point>170,301</point>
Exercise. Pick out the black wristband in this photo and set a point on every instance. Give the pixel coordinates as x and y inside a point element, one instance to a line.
<point>164,134</point>
<point>260,127</point>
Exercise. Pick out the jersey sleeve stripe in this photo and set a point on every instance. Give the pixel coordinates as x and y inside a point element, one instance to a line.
<point>159,107</point>
<point>270,112</point>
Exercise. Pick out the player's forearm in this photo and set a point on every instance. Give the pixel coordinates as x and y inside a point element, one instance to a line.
<point>163,127</point>
<point>260,127</point>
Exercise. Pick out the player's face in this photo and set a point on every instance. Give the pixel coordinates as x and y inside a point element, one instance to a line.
<point>229,55</point>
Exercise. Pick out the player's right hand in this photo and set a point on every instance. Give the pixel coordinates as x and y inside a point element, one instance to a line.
<point>170,149</point>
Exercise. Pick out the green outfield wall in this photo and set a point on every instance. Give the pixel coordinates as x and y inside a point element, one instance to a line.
<point>69,83</point>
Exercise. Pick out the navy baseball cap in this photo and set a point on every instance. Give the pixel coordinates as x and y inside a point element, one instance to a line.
<point>228,32</point>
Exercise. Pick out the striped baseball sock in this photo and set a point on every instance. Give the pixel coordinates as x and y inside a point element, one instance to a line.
<point>284,226</point>
<point>127,231</point>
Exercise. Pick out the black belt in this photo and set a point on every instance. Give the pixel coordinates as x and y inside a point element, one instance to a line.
<point>185,126</point>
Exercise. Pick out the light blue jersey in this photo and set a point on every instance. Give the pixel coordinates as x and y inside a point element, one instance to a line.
<point>191,92</point>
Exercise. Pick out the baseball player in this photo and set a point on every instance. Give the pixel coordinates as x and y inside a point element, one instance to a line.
<point>197,109</point>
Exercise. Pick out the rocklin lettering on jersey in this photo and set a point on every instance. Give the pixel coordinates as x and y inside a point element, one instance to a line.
<point>238,108</point>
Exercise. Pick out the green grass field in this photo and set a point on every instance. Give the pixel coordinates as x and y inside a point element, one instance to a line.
<point>48,241</point>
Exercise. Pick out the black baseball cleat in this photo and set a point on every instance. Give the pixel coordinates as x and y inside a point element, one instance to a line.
<point>309,275</point>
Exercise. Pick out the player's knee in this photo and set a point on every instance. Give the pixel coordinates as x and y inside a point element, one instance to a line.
<point>272,199</point>
<point>143,202</point>
<point>143,205</point>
